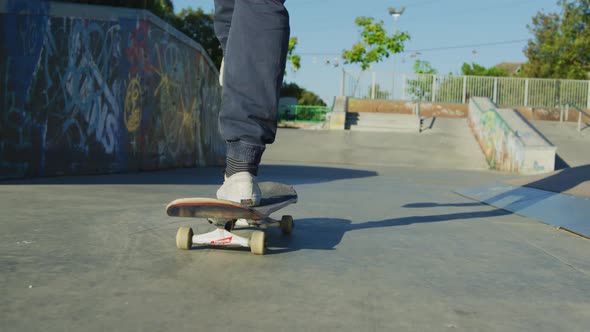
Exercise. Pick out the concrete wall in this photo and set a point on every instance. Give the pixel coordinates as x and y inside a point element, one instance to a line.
<point>450,110</point>
<point>508,141</point>
<point>407,107</point>
<point>337,118</point>
<point>89,89</point>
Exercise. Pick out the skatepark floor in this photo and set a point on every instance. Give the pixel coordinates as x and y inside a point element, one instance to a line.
<point>572,145</point>
<point>376,247</point>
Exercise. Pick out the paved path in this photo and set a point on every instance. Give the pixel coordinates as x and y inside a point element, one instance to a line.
<point>375,248</point>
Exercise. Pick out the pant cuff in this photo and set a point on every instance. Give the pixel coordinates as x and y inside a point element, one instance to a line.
<point>249,153</point>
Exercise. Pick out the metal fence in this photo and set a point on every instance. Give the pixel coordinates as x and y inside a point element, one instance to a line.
<point>302,113</point>
<point>504,91</point>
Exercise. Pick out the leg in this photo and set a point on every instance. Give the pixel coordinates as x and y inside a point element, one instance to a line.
<point>224,9</point>
<point>255,56</point>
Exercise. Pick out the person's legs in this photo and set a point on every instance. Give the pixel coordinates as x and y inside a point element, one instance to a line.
<point>255,51</point>
<point>224,10</point>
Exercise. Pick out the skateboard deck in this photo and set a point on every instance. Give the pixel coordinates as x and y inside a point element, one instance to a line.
<point>226,215</point>
<point>275,196</point>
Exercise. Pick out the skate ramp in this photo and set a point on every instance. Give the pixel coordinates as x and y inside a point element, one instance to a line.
<point>561,199</point>
<point>509,142</point>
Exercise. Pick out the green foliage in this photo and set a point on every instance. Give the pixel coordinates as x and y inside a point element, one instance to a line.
<point>375,44</point>
<point>421,87</point>
<point>379,93</point>
<point>310,98</point>
<point>304,97</point>
<point>423,67</point>
<point>450,88</point>
<point>477,70</point>
<point>560,47</point>
<point>294,59</point>
<point>198,25</point>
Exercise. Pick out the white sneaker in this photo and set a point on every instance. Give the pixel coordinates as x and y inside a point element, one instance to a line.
<point>240,188</point>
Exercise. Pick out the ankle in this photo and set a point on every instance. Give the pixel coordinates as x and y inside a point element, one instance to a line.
<point>234,166</point>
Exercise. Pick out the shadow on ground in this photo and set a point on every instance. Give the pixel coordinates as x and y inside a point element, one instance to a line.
<point>327,233</point>
<point>290,174</point>
<point>560,163</point>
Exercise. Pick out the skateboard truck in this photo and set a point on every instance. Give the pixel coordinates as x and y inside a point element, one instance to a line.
<point>222,236</point>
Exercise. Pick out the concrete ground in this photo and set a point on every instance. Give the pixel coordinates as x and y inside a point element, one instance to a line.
<point>377,247</point>
<point>572,145</point>
<point>443,144</point>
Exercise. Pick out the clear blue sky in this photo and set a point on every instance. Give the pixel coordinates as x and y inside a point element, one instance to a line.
<point>326,27</point>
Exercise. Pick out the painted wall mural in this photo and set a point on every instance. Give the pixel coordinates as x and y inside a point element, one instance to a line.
<point>94,95</point>
<point>501,147</point>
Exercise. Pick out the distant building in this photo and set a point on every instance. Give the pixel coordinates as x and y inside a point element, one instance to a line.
<point>513,68</point>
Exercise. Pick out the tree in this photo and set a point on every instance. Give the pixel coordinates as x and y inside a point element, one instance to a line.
<point>375,44</point>
<point>379,93</point>
<point>198,25</point>
<point>421,87</point>
<point>477,70</point>
<point>304,97</point>
<point>424,67</point>
<point>309,98</point>
<point>449,89</point>
<point>294,59</point>
<point>560,47</point>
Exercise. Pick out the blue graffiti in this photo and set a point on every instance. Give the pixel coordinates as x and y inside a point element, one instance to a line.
<point>64,82</point>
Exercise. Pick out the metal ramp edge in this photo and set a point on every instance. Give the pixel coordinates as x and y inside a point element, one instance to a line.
<point>568,212</point>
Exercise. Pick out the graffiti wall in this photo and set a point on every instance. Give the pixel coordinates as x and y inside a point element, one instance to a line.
<point>502,149</point>
<point>87,89</point>
<point>508,140</point>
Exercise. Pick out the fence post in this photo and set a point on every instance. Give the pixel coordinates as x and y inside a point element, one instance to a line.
<point>526,92</point>
<point>373,85</point>
<point>404,87</point>
<point>392,96</point>
<point>495,90</point>
<point>464,89</point>
<point>342,82</point>
<point>560,113</point>
<point>588,100</point>
<point>433,88</point>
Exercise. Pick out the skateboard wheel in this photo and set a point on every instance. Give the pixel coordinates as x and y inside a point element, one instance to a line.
<point>287,224</point>
<point>257,243</point>
<point>184,238</point>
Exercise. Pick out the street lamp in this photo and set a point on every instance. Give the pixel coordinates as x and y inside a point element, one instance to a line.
<point>396,13</point>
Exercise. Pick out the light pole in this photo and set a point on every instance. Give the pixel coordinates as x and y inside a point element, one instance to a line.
<point>396,13</point>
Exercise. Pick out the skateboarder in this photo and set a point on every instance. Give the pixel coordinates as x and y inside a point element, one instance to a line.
<point>254,36</point>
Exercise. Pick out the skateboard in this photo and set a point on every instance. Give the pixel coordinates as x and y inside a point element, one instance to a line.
<point>226,215</point>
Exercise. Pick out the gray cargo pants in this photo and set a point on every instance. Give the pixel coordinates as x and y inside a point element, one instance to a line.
<point>254,35</point>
